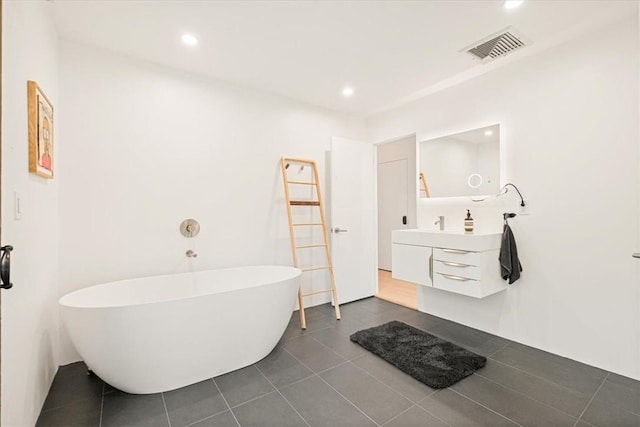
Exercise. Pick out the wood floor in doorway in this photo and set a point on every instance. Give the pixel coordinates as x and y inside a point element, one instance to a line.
<point>397,291</point>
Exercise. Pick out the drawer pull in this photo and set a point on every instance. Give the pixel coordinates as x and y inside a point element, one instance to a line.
<point>454,264</point>
<point>431,269</point>
<point>449,276</point>
<point>455,251</point>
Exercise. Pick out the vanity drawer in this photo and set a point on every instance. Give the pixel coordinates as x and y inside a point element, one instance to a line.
<point>457,256</point>
<point>461,285</point>
<point>457,269</point>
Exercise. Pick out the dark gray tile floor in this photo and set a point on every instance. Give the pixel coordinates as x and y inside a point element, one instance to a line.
<point>318,377</point>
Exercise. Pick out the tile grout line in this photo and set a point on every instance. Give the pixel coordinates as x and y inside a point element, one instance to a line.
<point>313,374</point>
<point>323,345</point>
<point>406,410</point>
<point>485,407</point>
<point>252,399</point>
<point>630,388</point>
<point>420,408</point>
<point>166,411</point>
<point>42,410</point>
<point>344,362</point>
<point>498,350</point>
<point>340,394</point>
<point>206,418</point>
<point>326,346</point>
<point>329,348</point>
<point>581,366</point>
<point>523,394</point>
<point>325,369</point>
<point>225,401</point>
<point>66,404</point>
<point>591,400</point>
<point>350,402</point>
<point>283,396</point>
<point>429,412</point>
<point>305,332</point>
<point>102,403</point>
<point>539,377</point>
<point>389,387</point>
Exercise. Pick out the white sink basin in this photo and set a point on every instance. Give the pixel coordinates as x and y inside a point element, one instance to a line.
<point>446,239</point>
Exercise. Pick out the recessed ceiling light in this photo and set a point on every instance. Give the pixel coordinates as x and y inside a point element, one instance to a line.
<point>189,39</point>
<point>488,132</point>
<point>512,4</point>
<point>347,91</point>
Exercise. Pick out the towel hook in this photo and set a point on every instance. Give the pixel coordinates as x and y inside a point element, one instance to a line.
<point>506,217</point>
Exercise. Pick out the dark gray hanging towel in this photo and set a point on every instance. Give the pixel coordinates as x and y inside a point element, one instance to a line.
<point>510,266</point>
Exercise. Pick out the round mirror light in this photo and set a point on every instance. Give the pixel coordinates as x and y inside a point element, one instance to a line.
<point>474,180</point>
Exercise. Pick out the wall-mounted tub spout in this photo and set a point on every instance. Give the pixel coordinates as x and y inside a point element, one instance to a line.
<point>191,254</point>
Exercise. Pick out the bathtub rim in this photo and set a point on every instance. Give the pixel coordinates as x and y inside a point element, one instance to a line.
<point>296,273</point>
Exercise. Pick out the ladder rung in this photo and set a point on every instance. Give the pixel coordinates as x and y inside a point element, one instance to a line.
<point>304,203</point>
<point>315,268</point>
<point>298,161</point>
<point>317,292</point>
<point>302,182</point>
<point>308,223</point>
<point>310,246</point>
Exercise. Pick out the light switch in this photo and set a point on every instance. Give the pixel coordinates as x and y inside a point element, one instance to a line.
<point>17,205</point>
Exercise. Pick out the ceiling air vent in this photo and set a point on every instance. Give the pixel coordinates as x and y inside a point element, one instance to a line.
<point>497,45</point>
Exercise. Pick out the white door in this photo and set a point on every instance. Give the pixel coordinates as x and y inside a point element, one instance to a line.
<point>353,242</point>
<point>392,206</point>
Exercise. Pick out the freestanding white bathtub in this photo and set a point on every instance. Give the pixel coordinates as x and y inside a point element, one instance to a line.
<point>160,333</point>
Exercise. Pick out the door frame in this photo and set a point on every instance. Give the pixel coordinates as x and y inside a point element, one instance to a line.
<point>375,183</point>
<point>1,80</point>
<point>406,207</point>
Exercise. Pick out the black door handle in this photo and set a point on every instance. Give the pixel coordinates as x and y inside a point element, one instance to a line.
<point>5,267</point>
<point>404,220</point>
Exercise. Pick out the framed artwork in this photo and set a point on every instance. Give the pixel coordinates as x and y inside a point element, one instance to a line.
<point>40,131</point>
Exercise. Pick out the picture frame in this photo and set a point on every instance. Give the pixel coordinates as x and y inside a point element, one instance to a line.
<point>41,122</point>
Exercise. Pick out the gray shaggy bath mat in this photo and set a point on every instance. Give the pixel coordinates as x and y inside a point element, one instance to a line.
<point>431,360</point>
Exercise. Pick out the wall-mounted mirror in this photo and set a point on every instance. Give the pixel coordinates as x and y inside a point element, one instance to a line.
<point>462,164</point>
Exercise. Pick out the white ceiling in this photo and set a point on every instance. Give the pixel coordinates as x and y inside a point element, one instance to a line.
<point>309,50</point>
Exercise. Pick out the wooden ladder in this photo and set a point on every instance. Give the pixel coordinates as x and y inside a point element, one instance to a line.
<point>285,162</point>
<point>425,187</point>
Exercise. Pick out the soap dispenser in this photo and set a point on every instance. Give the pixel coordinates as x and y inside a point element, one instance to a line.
<point>468,223</point>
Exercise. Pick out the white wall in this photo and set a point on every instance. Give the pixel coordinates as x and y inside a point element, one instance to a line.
<point>29,310</point>
<point>388,184</point>
<point>569,127</point>
<point>146,147</point>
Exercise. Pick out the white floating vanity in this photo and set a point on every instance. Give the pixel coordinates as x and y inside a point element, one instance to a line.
<point>456,262</point>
